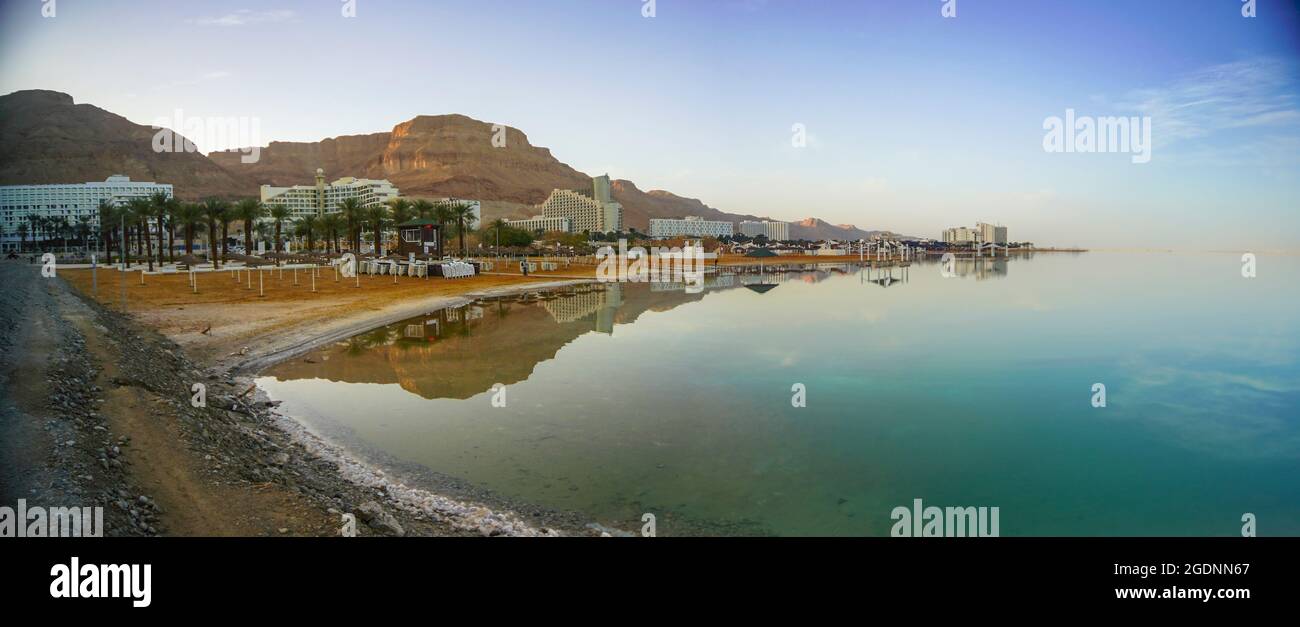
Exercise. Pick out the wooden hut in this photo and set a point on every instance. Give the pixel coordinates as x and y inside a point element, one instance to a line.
<point>422,237</point>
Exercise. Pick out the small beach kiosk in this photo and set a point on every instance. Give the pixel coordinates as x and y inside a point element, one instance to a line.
<point>422,237</point>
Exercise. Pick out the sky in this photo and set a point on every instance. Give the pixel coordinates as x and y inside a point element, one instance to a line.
<point>880,113</point>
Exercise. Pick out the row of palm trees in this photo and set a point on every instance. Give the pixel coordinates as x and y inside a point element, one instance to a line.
<point>131,223</point>
<point>45,230</point>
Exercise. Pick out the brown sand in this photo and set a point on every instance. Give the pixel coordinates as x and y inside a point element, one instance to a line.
<point>224,314</point>
<point>228,322</point>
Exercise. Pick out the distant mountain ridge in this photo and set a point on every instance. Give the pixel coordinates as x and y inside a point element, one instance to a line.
<point>48,138</point>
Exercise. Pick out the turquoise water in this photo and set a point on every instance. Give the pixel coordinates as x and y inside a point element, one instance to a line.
<point>973,390</point>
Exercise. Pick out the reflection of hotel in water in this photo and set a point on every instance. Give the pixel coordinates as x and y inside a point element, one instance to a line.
<point>981,267</point>
<point>711,281</point>
<point>432,326</point>
<point>604,303</point>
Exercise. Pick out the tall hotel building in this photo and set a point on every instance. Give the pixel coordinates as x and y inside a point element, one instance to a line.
<point>322,198</point>
<point>70,201</point>
<point>959,235</point>
<point>591,211</point>
<point>992,234</point>
<point>693,226</point>
<point>983,233</point>
<point>775,231</point>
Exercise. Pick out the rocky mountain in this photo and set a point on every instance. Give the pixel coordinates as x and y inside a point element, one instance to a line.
<point>50,139</point>
<point>430,155</point>
<point>47,138</point>
<point>818,229</point>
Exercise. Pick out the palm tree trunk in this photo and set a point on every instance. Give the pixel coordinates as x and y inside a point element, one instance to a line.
<point>160,238</point>
<point>225,234</point>
<point>148,241</point>
<point>212,244</point>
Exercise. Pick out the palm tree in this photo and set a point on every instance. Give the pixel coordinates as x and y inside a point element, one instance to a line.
<point>83,232</point>
<point>227,217</point>
<point>329,226</point>
<point>34,227</point>
<point>401,210</point>
<point>174,207</point>
<point>443,213</point>
<point>278,214</point>
<point>498,225</point>
<point>264,231</point>
<point>140,210</point>
<point>108,217</point>
<point>57,227</point>
<point>306,226</point>
<point>22,232</point>
<point>189,215</point>
<point>159,201</point>
<point>248,211</point>
<point>215,211</point>
<point>463,214</point>
<point>423,208</point>
<point>353,213</point>
<point>378,217</point>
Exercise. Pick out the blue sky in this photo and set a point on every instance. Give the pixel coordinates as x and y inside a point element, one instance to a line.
<point>914,121</point>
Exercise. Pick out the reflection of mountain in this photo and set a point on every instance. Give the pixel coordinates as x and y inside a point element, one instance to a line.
<point>458,353</point>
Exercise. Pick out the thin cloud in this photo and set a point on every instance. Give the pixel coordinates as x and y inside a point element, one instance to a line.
<point>1253,93</point>
<point>246,16</point>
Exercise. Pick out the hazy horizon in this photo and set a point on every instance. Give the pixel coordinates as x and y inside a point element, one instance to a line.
<point>914,122</point>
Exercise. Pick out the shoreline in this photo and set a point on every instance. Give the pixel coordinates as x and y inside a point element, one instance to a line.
<point>352,466</point>
<point>239,437</point>
<point>285,344</point>
<point>259,444</point>
<point>247,334</point>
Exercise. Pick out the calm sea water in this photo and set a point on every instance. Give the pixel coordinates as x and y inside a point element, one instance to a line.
<point>974,390</point>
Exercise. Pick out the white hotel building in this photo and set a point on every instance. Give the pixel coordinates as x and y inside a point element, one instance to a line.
<point>959,235</point>
<point>322,198</point>
<point>66,200</point>
<point>775,231</point>
<point>983,233</point>
<point>992,234</point>
<point>542,224</point>
<point>591,211</point>
<point>693,226</point>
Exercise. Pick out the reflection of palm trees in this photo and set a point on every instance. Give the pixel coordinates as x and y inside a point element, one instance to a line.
<point>357,345</point>
<point>383,336</point>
